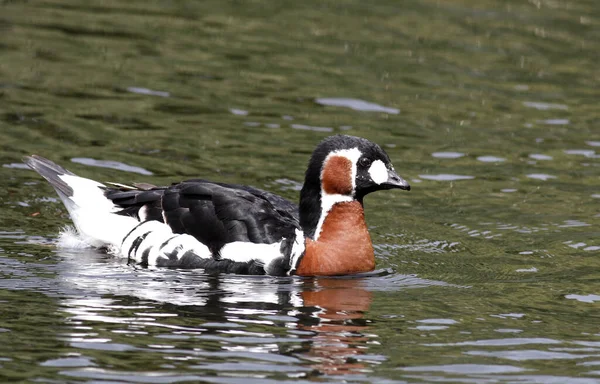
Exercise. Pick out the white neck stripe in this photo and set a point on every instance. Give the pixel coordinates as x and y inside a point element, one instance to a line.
<point>329,200</point>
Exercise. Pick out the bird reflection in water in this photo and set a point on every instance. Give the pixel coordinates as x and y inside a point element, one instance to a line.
<point>338,325</point>
<point>319,321</point>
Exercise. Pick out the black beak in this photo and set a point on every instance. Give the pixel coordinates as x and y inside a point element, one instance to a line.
<point>395,181</point>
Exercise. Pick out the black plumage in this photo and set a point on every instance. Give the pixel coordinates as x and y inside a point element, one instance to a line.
<point>191,261</point>
<point>217,214</point>
<point>214,213</point>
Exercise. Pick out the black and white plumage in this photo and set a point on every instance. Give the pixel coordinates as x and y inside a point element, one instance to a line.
<point>234,228</point>
<point>214,213</point>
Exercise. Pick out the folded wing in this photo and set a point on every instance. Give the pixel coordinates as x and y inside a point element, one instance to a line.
<point>214,213</point>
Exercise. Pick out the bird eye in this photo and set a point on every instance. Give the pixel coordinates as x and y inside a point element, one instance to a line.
<point>364,162</point>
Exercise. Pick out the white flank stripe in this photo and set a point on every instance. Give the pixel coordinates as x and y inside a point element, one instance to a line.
<point>244,252</point>
<point>156,240</point>
<point>178,246</point>
<point>297,250</point>
<point>155,231</point>
<point>378,172</point>
<point>152,235</point>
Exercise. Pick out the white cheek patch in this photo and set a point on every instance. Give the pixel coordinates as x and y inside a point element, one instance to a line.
<point>378,172</point>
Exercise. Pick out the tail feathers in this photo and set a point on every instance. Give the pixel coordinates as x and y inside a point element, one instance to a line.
<point>93,214</point>
<point>51,172</point>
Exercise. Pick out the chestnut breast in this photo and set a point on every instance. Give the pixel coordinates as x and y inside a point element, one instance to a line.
<point>344,245</point>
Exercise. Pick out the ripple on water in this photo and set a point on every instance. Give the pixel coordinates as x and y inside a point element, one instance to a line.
<point>431,327</point>
<point>509,315</point>
<point>447,155</point>
<point>146,91</point>
<point>491,159</point>
<point>356,104</point>
<point>583,298</point>
<point>465,368</point>
<point>16,166</point>
<point>582,246</point>
<point>544,106</point>
<point>554,121</point>
<point>531,354</point>
<point>593,143</point>
<point>539,156</point>
<point>500,342</point>
<point>239,112</point>
<point>68,362</point>
<point>311,128</point>
<point>446,177</point>
<point>438,321</point>
<point>157,377</point>
<point>573,223</point>
<point>111,164</point>
<point>540,176</point>
<point>590,153</point>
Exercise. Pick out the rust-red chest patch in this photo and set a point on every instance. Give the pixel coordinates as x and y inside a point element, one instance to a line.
<point>343,247</point>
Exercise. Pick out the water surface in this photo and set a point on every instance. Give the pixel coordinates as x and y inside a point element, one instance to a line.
<point>487,269</point>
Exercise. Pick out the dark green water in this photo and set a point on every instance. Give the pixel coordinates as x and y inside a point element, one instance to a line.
<point>489,109</point>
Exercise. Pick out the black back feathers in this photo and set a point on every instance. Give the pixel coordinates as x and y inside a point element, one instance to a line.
<point>214,213</point>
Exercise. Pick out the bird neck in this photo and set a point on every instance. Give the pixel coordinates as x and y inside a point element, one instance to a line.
<point>343,244</point>
<point>310,207</point>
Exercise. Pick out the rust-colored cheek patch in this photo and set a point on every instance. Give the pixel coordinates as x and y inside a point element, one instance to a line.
<point>337,176</point>
<point>344,246</point>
